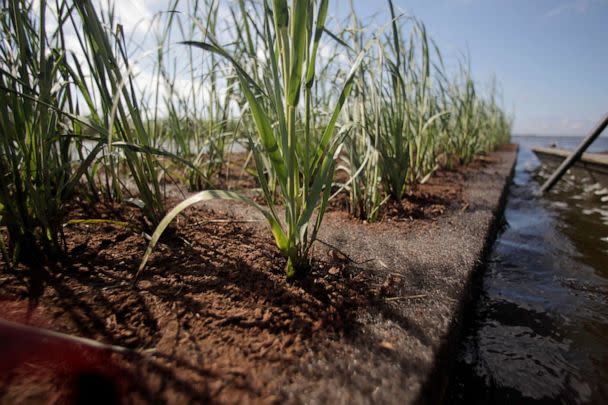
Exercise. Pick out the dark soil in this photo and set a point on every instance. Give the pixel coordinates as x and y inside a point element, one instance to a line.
<point>425,201</point>
<point>212,319</point>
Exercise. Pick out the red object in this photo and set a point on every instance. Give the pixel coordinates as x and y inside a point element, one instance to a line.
<point>87,374</point>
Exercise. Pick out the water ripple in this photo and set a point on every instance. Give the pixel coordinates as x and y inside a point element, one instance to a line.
<point>540,330</point>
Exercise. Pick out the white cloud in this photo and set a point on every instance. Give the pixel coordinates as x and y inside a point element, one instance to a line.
<point>135,15</point>
<point>573,7</point>
<point>552,125</point>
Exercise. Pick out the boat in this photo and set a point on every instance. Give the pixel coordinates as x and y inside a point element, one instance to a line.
<point>591,165</point>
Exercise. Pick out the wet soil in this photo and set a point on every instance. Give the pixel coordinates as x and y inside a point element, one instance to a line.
<point>213,319</point>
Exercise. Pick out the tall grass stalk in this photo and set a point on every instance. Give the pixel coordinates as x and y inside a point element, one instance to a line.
<point>292,33</point>
<point>408,119</point>
<point>475,123</point>
<point>38,172</point>
<point>197,122</point>
<point>406,116</point>
<point>117,109</point>
<point>408,109</point>
<point>360,161</point>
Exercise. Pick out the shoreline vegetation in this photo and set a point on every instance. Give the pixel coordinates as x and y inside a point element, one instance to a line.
<point>213,319</point>
<point>377,107</point>
<point>113,171</point>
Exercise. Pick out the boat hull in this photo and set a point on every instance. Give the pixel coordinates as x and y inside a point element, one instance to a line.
<point>590,165</point>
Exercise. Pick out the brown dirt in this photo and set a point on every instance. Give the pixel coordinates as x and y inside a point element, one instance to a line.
<point>238,174</point>
<point>426,201</point>
<point>212,318</point>
<point>214,303</point>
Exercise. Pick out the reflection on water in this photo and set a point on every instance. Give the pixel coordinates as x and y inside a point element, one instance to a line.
<point>540,329</point>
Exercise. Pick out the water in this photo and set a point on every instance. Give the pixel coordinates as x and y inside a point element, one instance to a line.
<point>539,333</point>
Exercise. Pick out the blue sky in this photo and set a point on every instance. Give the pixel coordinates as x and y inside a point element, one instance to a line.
<point>550,56</point>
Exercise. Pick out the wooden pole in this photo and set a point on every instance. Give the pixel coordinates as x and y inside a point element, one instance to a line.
<point>570,160</point>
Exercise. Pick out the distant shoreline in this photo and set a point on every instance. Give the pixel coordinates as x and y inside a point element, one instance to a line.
<point>605,135</point>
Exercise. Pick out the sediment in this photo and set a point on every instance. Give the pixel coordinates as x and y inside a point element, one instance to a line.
<point>403,348</point>
<point>214,320</point>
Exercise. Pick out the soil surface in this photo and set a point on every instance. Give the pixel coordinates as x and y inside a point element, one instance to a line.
<point>212,318</point>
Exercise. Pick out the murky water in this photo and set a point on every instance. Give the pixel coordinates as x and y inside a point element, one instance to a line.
<point>540,327</point>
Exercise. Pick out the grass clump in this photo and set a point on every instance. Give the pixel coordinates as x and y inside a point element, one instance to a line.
<point>292,33</point>
<point>38,171</point>
<point>408,119</point>
<point>304,98</point>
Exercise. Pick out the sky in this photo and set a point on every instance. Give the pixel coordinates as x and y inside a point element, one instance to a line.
<point>550,57</point>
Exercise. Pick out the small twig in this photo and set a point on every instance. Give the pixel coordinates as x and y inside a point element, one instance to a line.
<point>186,241</point>
<point>347,257</point>
<point>221,221</point>
<point>122,224</point>
<point>109,287</point>
<point>226,221</point>
<point>409,297</point>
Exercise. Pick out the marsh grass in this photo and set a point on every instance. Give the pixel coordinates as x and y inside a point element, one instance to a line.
<point>197,122</point>
<point>303,171</point>
<point>304,94</point>
<point>408,119</point>
<point>38,170</point>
